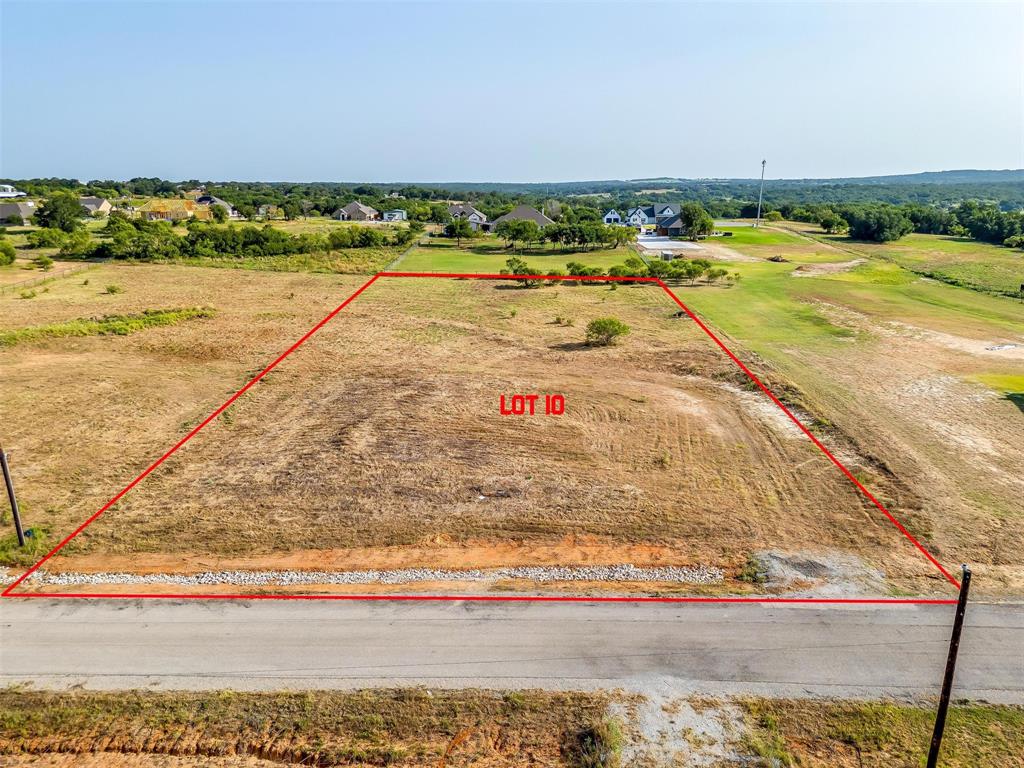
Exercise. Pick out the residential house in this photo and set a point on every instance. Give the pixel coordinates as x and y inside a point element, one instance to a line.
<point>173,209</point>
<point>396,215</point>
<point>96,206</point>
<point>6,190</point>
<point>356,211</point>
<point>611,216</point>
<point>25,210</point>
<point>671,227</point>
<point>650,214</point>
<point>522,213</point>
<point>476,218</point>
<point>205,199</point>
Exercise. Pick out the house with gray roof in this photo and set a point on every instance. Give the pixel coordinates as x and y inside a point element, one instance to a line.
<point>356,211</point>
<point>611,216</point>
<point>522,213</point>
<point>650,214</point>
<point>95,206</point>
<point>206,199</point>
<point>25,210</point>
<point>476,219</point>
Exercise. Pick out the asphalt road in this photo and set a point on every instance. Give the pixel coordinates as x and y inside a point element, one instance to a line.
<point>848,651</point>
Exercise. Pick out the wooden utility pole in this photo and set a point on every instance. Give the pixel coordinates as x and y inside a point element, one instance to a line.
<point>10,495</point>
<point>947,680</point>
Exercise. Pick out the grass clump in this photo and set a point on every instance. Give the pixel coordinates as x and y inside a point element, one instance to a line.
<point>36,545</point>
<point>113,289</point>
<point>108,325</point>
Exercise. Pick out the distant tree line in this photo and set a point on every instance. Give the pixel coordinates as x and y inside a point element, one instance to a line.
<point>143,240</point>
<point>990,210</point>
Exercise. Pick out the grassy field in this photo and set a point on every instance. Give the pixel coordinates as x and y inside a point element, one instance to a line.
<point>488,254</point>
<point>856,734</point>
<point>958,261</point>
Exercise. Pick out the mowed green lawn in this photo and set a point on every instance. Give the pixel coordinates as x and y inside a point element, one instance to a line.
<point>490,254</point>
<point>957,260</point>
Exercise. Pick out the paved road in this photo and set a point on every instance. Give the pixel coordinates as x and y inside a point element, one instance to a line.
<point>679,649</point>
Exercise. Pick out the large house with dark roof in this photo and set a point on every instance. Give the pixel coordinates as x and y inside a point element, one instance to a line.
<point>651,214</point>
<point>522,213</point>
<point>356,211</point>
<point>477,219</point>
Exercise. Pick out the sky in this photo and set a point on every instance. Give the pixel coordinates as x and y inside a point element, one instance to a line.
<point>489,91</point>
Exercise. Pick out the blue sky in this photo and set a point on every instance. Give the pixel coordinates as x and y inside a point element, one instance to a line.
<point>487,91</point>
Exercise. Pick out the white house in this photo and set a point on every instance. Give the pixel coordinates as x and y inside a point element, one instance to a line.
<point>396,215</point>
<point>650,214</point>
<point>466,211</point>
<point>6,190</point>
<point>611,216</point>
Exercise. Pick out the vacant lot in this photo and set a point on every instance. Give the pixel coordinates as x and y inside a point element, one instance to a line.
<point>380,443</point>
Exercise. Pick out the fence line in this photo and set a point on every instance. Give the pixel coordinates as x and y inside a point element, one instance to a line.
<point>45,278</point>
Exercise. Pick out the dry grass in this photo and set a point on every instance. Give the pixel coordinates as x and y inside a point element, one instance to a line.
<point>384,429</point>
<point>370,728</point>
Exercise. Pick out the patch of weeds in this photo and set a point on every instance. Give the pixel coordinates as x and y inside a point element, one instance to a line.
<point>563,321</point>
<point>753,571</point>
<point>28,294</point>
<point>85,282</point>
<point>36,545</point>
<point>664,460</point>
<point>597,746</point>
<point>112,289</point>
<point>116,325</point>
<point>768,744</point>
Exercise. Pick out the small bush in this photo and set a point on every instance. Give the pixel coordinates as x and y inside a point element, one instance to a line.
<point>7,252</point>
<point>112,289</point>
<point>43,262</point>
<point>28,294</point>
<point>605,330</point>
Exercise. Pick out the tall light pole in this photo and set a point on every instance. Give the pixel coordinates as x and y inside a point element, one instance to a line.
<point>760,196</point>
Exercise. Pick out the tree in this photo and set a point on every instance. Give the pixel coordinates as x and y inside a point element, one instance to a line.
<point>61,211</point>
<point>458,228</point>
<point>7,252</point>
<point>880,224</point>
<point>832,222</point>
<point>695,220</point>
<point>219,213</point>
<point>603,331</point>
<point>716,273</point>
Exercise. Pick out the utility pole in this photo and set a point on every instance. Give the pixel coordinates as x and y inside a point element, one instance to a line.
<point>10,495</point>
<point>760,196</point>
<point>947,680</point>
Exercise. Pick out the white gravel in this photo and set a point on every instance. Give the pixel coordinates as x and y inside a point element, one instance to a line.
<point>613,573</point>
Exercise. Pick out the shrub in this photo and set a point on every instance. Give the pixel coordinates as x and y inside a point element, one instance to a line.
<point>112,289</point>
<point>44,262</point>
<point>7,252</point>
<point>46,238</point>
<point>603,331</point>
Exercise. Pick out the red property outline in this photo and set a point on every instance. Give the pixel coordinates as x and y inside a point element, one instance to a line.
<point>492,598</point>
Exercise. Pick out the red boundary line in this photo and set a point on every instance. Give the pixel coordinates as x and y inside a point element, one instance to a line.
<point>492,598</point>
